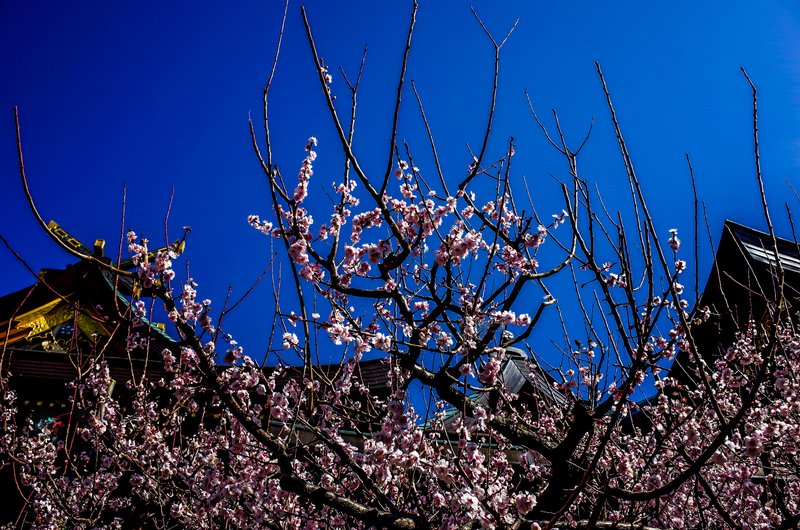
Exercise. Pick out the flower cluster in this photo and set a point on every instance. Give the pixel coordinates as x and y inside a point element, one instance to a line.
<point>306,170</point>
<point>152,267</point>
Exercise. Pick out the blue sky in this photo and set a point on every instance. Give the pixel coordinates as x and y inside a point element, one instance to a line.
<point>157,96</point>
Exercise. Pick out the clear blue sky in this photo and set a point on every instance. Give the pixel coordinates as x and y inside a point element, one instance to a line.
<point>157,96</point>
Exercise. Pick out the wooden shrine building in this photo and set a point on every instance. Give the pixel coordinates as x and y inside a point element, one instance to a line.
<point>742,287</point>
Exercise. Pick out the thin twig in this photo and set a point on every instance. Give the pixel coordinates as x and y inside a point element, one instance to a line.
<point>40,220</point>
<point>399,99</point>
<point>696,236</point>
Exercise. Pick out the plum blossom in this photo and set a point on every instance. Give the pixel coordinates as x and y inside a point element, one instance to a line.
<point>673,240</point>
<point>524,502</point>
<point>382,342</point>
<point>289,340</point>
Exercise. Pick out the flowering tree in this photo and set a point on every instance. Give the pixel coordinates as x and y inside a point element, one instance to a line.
<point>438,275</point>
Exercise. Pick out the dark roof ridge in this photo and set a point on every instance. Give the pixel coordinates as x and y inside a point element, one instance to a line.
<point>733,226</point>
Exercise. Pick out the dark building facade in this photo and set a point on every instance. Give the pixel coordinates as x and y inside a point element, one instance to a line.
<point>743,286</point>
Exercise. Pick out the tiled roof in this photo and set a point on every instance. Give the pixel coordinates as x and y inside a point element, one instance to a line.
<point>373,373</point>
<point>521,376</point>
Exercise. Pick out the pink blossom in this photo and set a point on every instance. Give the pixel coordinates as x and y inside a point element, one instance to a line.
<point>524,502</point>
<point>298,253</point>
<point>673,240</point>
<point>289,340</point>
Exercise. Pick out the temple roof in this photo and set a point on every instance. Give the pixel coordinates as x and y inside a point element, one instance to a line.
<point>38,321</point>
<point>83,303</point>
<point>740,288</point>
<point>520,376</point>
<point>759,247</point>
